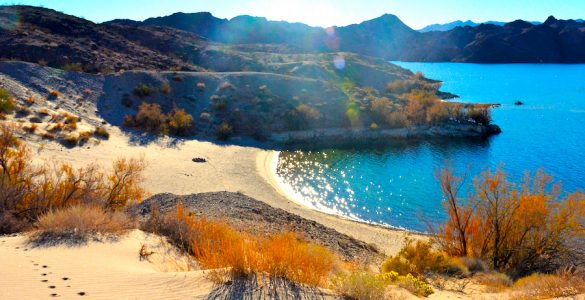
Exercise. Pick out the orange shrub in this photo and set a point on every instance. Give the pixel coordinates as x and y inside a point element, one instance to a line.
<point>54,93</point>
<point>150,117</point>
<point>229,253</point>
<point>519,229</point>
<point>27,191</point>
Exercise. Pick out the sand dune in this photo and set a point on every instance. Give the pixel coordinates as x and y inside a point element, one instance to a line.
<point>110,270</point>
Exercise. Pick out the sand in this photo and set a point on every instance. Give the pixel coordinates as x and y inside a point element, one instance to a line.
<point>110,270</point>
<point>248,170</point>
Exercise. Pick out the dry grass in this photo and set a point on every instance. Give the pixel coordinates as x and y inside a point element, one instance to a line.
<point>494,281</point>
<point>230,254</point>
<point>540,286</point>
<point>79,223</point>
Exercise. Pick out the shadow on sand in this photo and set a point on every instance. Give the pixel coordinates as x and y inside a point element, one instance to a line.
<point>267,288</point>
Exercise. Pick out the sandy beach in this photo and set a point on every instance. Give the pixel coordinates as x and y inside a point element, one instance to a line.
<point>248,170</point>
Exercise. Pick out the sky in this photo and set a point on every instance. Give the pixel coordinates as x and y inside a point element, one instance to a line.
<point>324,13</point>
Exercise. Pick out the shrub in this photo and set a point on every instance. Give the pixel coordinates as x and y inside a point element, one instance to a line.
<point>27,190</point>
<point>417,259</point>
<point>23,111</point>
<point>144,90</point>
<point>43,111</point>
<point>180,122</point>
<point>303,116</point>
<point>149,117</point>
<point>56,127</point>
<point>127,101</point>
<point>48,136</point>
<point>78,223</point>
<point>231,254</point>
<point>7,103</point>
<point>31,100</point>
<point>73,67</point>
<point>494,281</point>
<point>102,132</point>
<point>35,119</point>
<point>518,229</point>
<point>84,136</point>
<point>360,285</point>
<point>225,86</point>
<point>224,131</point>
<point>32,128</point>
<point>165,88</point>
<point>205,117</point>
<point>54,94</point>
<point>540,286</point>
<point>72,139</point>
<point>415,285</point>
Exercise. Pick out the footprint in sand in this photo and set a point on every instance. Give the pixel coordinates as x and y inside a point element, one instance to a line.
<point>55,295</point>
<point>65,278</point>
<point>44,274</point>
<point>44,280</point>
<point>45,266</point>
<point>52,286</point>
<point>81,293</point>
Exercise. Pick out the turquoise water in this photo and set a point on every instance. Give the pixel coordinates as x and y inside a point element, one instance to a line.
<point>396,185</point>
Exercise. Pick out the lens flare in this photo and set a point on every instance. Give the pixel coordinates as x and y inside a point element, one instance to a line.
<point>339,62</point>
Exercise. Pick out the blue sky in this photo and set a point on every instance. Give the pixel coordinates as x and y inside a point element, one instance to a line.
<point>415,13</point>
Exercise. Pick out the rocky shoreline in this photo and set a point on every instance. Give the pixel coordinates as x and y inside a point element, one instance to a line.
<point>346,136</point>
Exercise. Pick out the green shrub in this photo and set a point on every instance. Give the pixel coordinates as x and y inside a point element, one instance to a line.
<point>360,285</point>
<point>417,259</point>
<point>144,90</point>
<point>7,103</point>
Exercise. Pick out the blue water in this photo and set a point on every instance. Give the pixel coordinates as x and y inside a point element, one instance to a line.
<point>396,185</point>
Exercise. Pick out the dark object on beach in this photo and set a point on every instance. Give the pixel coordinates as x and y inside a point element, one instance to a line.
<point>518,102</point>
<point>199,160</point>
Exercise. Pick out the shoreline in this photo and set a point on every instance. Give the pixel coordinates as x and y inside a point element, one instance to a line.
<point>267,162</point>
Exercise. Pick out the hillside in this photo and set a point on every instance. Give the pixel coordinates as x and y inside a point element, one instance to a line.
<point>156,78</point>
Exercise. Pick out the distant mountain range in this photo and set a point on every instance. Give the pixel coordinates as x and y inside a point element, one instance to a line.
<point>554,41</point>
<point>459,23</point>
<point>387,37</point>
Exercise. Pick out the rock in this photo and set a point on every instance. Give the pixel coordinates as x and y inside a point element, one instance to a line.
<point>199,160</point>
<point>518,102</point>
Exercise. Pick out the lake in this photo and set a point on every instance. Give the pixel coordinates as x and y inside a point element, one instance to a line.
<point>396,186</point>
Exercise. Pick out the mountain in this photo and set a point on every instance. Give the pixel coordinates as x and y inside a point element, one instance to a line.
<point>452,25</point>
<point>190,40</point>
<point>448,26</point>
<point>555,41</point>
